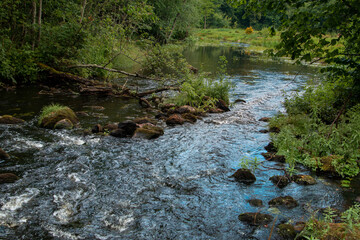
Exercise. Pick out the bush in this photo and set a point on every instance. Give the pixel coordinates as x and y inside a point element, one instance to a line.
<point>249,30</point>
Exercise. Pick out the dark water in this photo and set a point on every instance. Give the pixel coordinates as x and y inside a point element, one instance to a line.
<point>174,187</point>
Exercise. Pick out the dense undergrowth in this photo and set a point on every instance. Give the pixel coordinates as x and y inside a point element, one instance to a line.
<point>321,129</point>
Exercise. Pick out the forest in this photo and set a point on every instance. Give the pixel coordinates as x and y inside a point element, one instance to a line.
<point>208,84</point>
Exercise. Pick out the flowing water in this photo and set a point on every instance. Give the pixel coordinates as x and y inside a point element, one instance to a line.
<point>174,187</point>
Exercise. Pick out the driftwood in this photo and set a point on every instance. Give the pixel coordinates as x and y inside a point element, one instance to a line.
<point>87,86</point>
<point>112,70</point>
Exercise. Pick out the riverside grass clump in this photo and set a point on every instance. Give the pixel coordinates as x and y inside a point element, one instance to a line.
<point>321,130</point>
<point>53,113</point>
<point>326,227</point>
<point>200,90</point>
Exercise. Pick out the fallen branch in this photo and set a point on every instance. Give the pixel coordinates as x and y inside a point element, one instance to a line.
<point>158,90</point>
<point>112,70</point>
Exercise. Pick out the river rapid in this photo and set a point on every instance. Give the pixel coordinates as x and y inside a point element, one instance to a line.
<point>175,187</point>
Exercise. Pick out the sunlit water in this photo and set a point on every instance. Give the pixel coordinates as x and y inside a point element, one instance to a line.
<point>173,187</point>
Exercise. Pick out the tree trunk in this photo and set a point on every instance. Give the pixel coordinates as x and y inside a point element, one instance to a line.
<point>82,11</point>
<point>205,22</point>
<point>39,20</point>
<point>34,23</point>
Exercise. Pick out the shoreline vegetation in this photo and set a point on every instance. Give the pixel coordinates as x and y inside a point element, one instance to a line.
<point>92,43</point>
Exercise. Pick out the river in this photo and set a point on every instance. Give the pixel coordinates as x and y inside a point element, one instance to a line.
<point>174,187</point>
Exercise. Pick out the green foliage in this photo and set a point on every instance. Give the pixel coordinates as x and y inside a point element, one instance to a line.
<point>199,90</point>
<point>46,110</point>
<point>249,163</point>
<point>326,228</point>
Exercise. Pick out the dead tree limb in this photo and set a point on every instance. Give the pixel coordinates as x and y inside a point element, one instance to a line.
<point>112,70</point>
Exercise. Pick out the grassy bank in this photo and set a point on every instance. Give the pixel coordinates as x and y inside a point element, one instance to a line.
<point>258,40</point>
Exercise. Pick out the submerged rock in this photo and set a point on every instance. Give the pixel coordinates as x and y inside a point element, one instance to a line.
<point>4,155</point>
<point>280,181</point>
<point>7,119</point>
<point>8,178</point>
<point>148,131</point>
<point>286,201</point>
<point>175,119</point>
<point>256,202</point>
<point>304,179</point>
<point>264,131</point>
<point>244,175</point>
<point>286,231</point>
<point>255,218</point>
<point>50,119</point>
<point>64,124</point>
<point>239,101</point>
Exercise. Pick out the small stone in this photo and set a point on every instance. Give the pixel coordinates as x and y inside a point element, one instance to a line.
<point>64,124</point>
<point>256,202</point>
<point>144,120</point>
<point>175,119</point>
<point>7,119</point>
<point>215,110</point>
<point>286,201</point>
<point>4,155</point>
<point>8,178</point>
<point>82,114</point>
<point>286,231</point>
<point>244,175</point>
<point>256,218</point>
<point>264,131</point>
<point>265,119</point>
<point>304,179</point>
<point>280,181</point>
<point>239,101</point>
<point>97,128</point>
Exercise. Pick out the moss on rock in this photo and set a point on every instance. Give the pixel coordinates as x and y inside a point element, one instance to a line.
<point>52,114</point>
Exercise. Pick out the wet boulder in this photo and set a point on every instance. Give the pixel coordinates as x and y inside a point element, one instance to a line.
<point>7,119</point>
<point>64,124</point>
<point>280,181</point>
<point>286,231</point>
<point>244,175</point>
<point>215,110</point>
<point>148,131</point>
<point>125,129</point>
<point>264,131</point>
<point>175,119</point>
<point>185,109</point>
<point>97,129</point>
<point>255,218</point>
<point>304,179</point>
<point>8,178</point>
<point>255,202</point>
<point>286,201</point>
<point>222,105</point>
<point>4,155</point>
<point>52,114</point>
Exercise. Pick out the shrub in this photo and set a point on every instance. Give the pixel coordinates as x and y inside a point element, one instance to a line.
<point>249,30</point>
